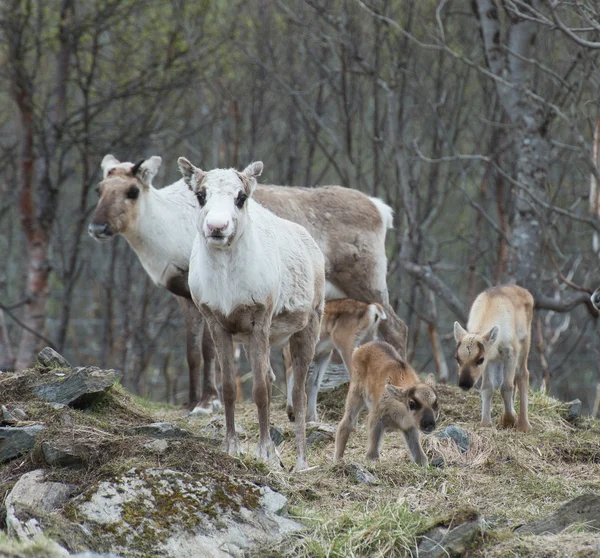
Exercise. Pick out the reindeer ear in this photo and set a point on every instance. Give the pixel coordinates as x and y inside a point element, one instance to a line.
<point>491,336</point>
<point>148,169</point>
<point>191,174</point>
<point>109,162</point>
<point>395,391</point>
<point>459,332</point>
<point>251,173</point>
<point>430,380</point>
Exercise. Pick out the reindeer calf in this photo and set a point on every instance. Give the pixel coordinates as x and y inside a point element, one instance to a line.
<point>396,398</point>
<point>346,324</point>
<point>495,346</point>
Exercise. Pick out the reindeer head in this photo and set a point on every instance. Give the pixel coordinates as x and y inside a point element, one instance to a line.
<point>416,405</point>
<point>471,354</point>
<point>121,191</point>
<point>596,299</point>
<point>221,195</point>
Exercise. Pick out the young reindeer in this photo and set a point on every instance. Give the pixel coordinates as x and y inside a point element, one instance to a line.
<point>383,382</point>
<point>346,324</point>
<point>495,347</point>
<point>259,280</point>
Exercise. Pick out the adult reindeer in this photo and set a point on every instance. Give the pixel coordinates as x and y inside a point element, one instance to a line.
<point>348,226</point>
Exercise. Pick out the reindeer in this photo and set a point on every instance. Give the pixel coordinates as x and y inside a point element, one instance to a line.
<point>160,226</point>
<point>495,347</point>
<point>595,298</point>
<point>259,280</point>
<point>346,324</point>
<point>383,382</point>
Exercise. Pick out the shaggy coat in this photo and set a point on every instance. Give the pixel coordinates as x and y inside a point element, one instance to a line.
<point>384,383</point>
<point>495,346</point>
<point>258,280</point>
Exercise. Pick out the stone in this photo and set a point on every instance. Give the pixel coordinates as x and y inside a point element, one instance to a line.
<point>49,358</point>
<point>456,433</point>
<point>441,542</point>
<point>438,462</point>
<point>160,430</point>
<point>583,509</point>
<point>335,376</point>
<point>56,456</point>
<point>320,434</point>
<point>78,389</point>
<point>16,440</point>
<point>359,474</point>
<point>160,445</point>
<point>175,514</point>
<point>32,495</point>
<point>574,410</point>
<point>89,554</point>
<point>13,416</point>
<point>276,435</point>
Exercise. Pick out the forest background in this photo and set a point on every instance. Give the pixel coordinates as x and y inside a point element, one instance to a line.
<point>476,121</point>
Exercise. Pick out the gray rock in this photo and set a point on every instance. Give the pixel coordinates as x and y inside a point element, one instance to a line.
<point>16,440</point>
<point>49,358</point>
<point>78,389</point>
<point>14,415</point>
<point>335,376</point>
<point>160,445</point>
<point>441,542</point>
<point>276,435</point>
<point>320,434</point>
<point>456,433</point>
<point>160,430</point>
<point>574,410</point>
<point>30,496</point>
<point>95,555</point>
<point>583,509</point>
<point>438,462</point>
<point>56,456</point>
<point>359,474</point>
<point>175,514</point>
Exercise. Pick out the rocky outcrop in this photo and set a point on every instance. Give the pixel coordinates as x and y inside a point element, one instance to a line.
<point>49,358</point>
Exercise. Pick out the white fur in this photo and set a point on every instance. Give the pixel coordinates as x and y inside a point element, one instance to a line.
<point>386,212</point>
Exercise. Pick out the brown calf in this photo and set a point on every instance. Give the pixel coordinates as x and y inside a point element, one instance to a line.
<point>346,324</point>
<point>397,399</point>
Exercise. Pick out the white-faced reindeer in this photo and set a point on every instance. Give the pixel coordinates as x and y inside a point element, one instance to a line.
<point>383,382</point>
<point>259,280</point>
<point>346,324</point>
<point>160,225</point>
<point>496,346</point>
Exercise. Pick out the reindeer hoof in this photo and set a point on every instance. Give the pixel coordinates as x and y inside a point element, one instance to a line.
<point>373,456</point>
<point>523,426</point>
<point>200,410</point>
<point>301,465</point>
<point>290,413</point>
<point>267,452</point>
<point>232,446</point>
<point>485,422</point>
<point>217,406</point>
<point>508,420</point>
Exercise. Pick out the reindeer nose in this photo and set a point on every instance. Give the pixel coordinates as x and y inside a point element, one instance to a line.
<point>99,231</point>
<point>217,226</point>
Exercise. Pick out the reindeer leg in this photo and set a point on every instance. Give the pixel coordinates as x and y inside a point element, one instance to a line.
<point>314,383</point>
<point>376,430</point>
<point>413,442</point>
<point>523,383</point>
<point>509,360</point>
<point>224,346</point>
<point>302,347</point>
<point>210,396</point>
<point>194,327</point>
<point>487,392</point>
<point>354,405</point>
<point>258,355</point>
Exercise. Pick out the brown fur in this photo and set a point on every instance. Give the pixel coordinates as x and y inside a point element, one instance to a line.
<point>346,324</point>
<point>495,346</point>
<point>383,382</point>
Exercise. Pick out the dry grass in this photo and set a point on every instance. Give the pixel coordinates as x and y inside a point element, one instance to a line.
<point>508,477</point>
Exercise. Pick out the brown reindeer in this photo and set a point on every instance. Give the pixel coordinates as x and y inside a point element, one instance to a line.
<point>495,346</point>
<point>160,226</point>
<point>384,383</point>
<point>346,324</point>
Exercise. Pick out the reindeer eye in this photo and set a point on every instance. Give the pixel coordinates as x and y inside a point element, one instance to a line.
<point>201,197</point>
<point>412,405</point>
<point>133,193</point>
<point>479,361</point>
<point>97,190</point>
<point>241,198</point>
